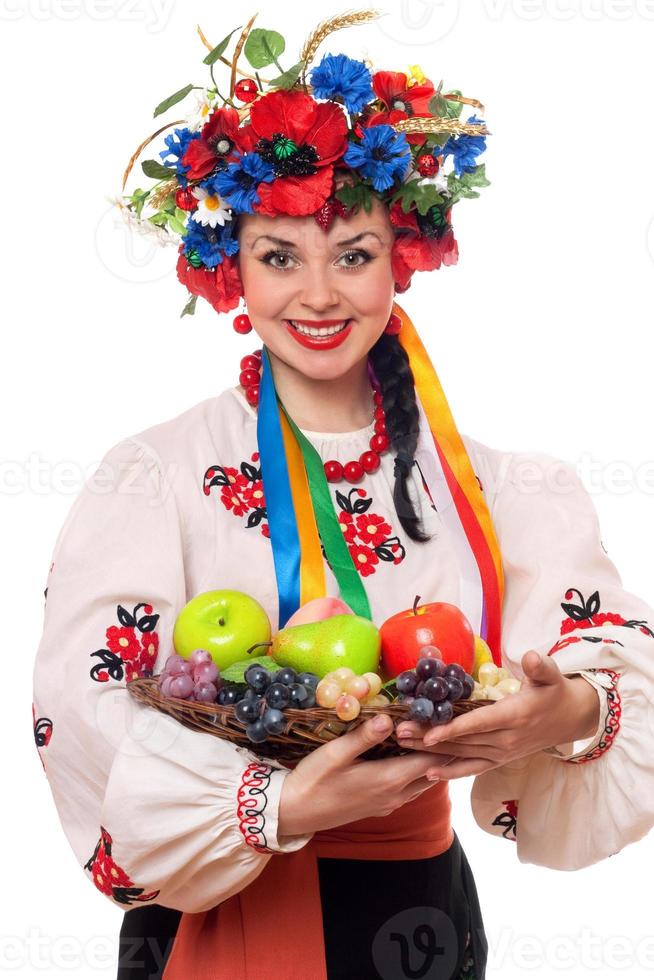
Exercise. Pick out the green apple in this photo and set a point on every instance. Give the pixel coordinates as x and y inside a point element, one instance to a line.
<point>224,622</point>
<point>339,641</point>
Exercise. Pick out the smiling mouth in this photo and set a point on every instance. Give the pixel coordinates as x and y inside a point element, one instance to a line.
<point>317,332</point>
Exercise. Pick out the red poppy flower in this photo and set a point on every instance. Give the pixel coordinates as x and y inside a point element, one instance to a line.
<point>401,100</point>
<point>219,139</point>
<point>221,287</point>
<point>418,253</point>
<point>315,135</point>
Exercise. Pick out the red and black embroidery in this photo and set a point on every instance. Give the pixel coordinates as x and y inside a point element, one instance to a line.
<point>508,819</point>
<point>251,804</point>
<point>132,647</point>
<point>241,491</point>
<point>42,732</point>
<point>587,614</point>
<point>368,535</point>
<point>111,879</point>
<point>612,722</point>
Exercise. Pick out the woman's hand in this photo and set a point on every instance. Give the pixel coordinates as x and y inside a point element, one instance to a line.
<point>550,708</point>
<point>331,786</point>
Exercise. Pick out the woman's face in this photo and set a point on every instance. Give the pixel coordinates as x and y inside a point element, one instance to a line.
<point>292,270</point>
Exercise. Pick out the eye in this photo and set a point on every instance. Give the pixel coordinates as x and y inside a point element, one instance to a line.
<point>276,254</point>
<point>360,253</point>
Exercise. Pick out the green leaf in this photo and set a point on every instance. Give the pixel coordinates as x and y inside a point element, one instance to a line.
<point>390,688</point>
<point>216,52</point>
<point>157,170</point>
<point>138,199</point>
<point>173,99</point>
<point>464,185</point>
<point>289,78</point>
<point>355,195</point>
<point>176,225</point>
<point>262,47</point>
<point>235,673</point>
<point>189,309</point>
<point>160,218</point>
<point>422,196</point>
<point>438,106</point>
<point>181,214</point>
<point>453,109</point>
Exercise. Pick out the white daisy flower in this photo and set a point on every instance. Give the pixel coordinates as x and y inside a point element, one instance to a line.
<point>205,104</point>
<point>212,209</point>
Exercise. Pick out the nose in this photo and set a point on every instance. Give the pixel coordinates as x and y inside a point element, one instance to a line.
<point>319,293</point>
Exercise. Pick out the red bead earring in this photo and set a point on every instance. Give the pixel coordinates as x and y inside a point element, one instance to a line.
<point>242,323</point>
<point>394,325</point>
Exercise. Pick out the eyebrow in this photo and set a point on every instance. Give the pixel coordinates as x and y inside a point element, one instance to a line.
<point>288,244</point>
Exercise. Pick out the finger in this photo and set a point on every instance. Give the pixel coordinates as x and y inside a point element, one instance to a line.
<point>462,767</point>
<point>402,769</point>
<point>344,750</point>
<point>469,751</point>
<point>417,788</point>
<point>491,718</point>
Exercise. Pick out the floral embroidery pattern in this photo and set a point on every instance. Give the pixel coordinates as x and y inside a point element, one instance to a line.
<point>42,732</point>
<point>587,614</point>
<point>251,804</point>
<point>132,647</point>
<point>508,819</point>
<point>109,878</point>
<point>369,536</point>
<point>612,722</point>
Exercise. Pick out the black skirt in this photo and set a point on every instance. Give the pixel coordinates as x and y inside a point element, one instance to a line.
<point>382,920</point>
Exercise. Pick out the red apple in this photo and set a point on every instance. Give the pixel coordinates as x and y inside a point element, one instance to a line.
<point>440,624</point>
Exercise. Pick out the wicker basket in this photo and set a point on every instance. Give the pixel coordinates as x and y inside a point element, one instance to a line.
<point>307,729</point>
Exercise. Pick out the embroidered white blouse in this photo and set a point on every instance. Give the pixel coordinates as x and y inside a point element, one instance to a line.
<point>156,812</point>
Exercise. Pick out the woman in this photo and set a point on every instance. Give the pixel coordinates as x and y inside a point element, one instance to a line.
<point>230,864</point>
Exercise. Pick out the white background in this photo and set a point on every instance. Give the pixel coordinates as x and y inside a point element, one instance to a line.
<point>542,337</point>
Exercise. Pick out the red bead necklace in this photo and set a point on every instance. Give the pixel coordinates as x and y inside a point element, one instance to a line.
<point>353,471</point>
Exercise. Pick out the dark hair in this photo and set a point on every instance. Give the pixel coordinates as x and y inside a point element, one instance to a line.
<point>391,366</point>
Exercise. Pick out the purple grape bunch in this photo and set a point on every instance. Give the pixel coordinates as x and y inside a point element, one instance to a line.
<point>259,705</point>
<point>431,690</point>
<point>195,679</point>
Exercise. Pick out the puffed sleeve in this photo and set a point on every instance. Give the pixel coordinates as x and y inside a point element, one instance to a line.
<point>153,811</point>
<point>569,806</point>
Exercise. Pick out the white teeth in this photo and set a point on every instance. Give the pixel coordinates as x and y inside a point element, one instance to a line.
<point>318,332</point>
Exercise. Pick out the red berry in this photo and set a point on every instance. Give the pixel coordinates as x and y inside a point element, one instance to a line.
<point>394,324</point>
<point>185,199</point>
<point>379,442</point>
<point>246,90</point>
<point>258,352</point>
<point>252,394</point>
<point>248,377</point>
<point>380,426</point>
<point>427,165</point>
<point>380,413</point>
<point>369,461</point>
<point>242,323</point>
<point>333,470</point>
<point>353,471</point>
<point>250,361</point>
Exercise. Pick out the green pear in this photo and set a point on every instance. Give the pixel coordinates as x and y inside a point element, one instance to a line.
<point>339,641</point>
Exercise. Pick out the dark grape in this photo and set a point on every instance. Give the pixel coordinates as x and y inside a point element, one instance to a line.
<point>273,721</point>
<point>443,712</point>
<point>468,686</point>
<point>228,695</point>
<point>405,699</point>
<point>421,709</point>
<point>308,679</point>
<point>298,695</point>
<point>285,675</point>
<point>256,731</point>
<point>247,710</point>
<point>310,701</point>
<point>455,670</point>
<point>420,689</point>
<point>429,667</point>
<point>456,688</point>
<point>258,678</point>
<point>436,689</point>
<point>278,696</point>
<point>406,682</point>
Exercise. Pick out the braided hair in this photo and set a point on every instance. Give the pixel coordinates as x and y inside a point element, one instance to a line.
<point>391,366</point>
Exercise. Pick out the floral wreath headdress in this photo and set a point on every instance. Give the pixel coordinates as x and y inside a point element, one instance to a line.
<point>272,147</point>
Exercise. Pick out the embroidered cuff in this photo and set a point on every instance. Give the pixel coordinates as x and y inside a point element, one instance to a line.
<point>584,750</point>
<point>257,800</point>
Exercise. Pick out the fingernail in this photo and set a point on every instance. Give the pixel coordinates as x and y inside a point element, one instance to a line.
<point>381,723</point>
<point>433,777</point>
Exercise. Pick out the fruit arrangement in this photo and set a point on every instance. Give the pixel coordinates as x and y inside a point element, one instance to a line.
<point>324,672</point>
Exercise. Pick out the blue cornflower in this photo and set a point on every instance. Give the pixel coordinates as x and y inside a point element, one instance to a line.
<point>238,183</point>
<point>382,155</point>
<point>177,143</point>
<point>211,244</point>
<point>465,149</point>
<point>338,75</point>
